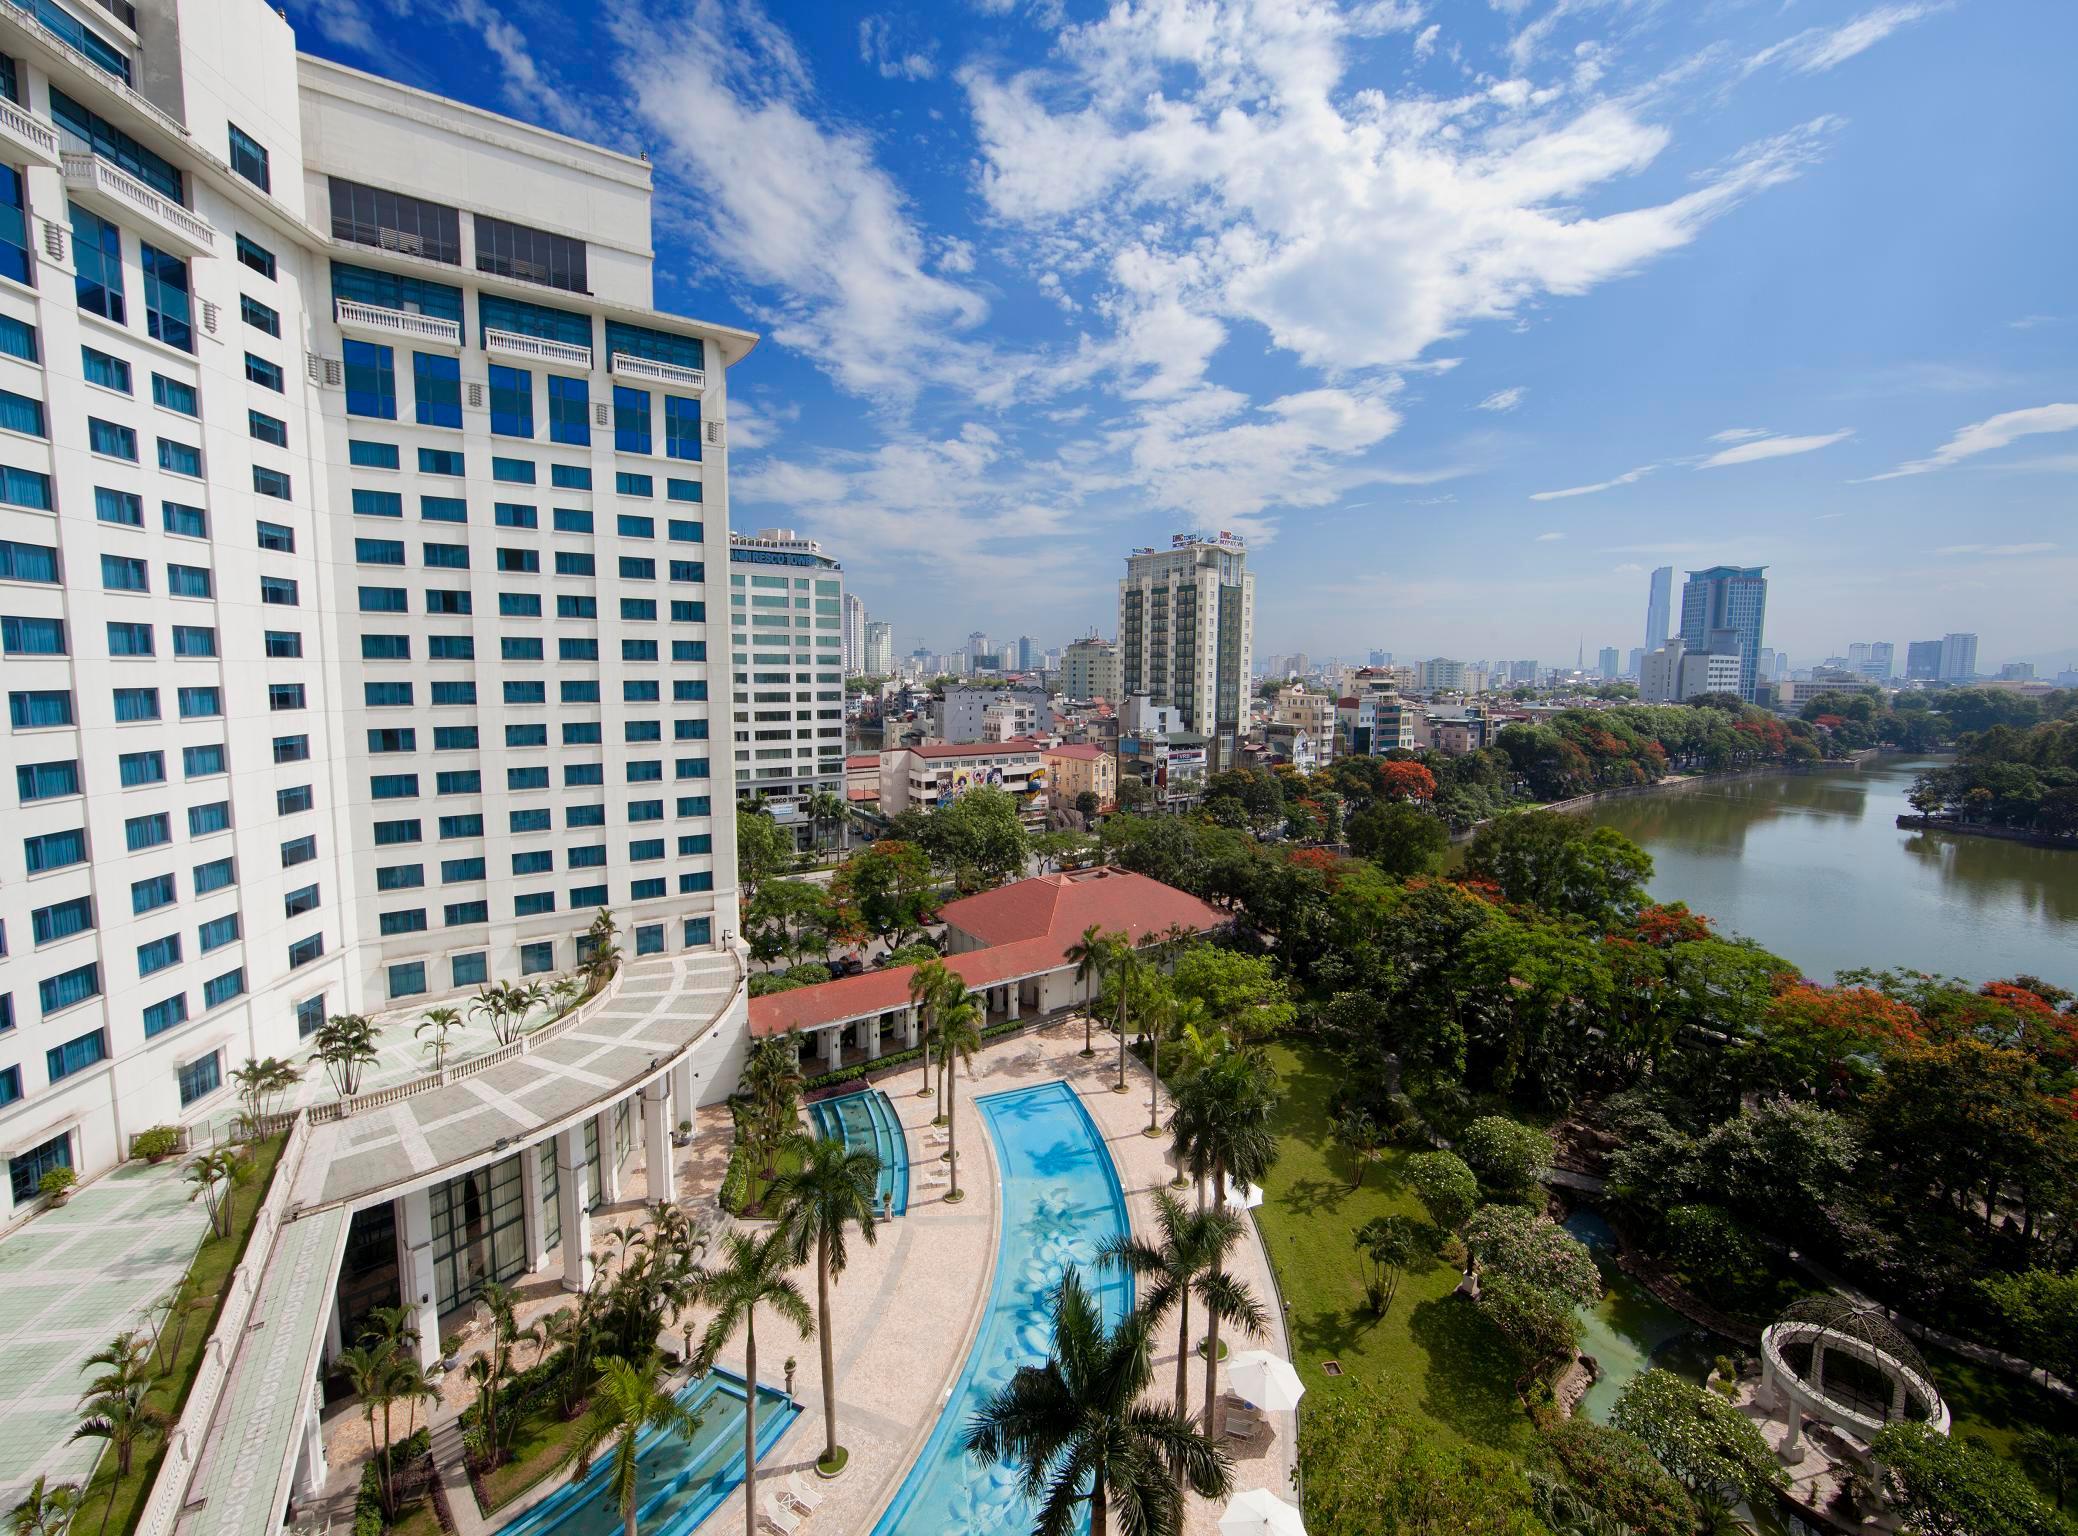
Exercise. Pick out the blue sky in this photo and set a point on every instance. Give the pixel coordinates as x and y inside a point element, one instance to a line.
<point>1466,313</point>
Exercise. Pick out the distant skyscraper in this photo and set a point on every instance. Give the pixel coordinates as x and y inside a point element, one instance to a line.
<point>1186,635</point>
<point>1637,662</point>
<point>1922,661</point>
<point>1381,659</point>
<point>977,644</point>
<point>1025,655</point>
<point>1723,609</point>
<point>1659,609</point>
<point>880,648</point>
<point>1958,658</point>
<point>1611,664</point>
<point>1877,665</point>
<point>854,635</point>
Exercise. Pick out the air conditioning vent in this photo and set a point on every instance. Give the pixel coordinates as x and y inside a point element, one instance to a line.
<point>325,372</point>
<point>712,435</point>
<point>602,414</point>
<point>475,396</point>
<point>53,241</point>
<point>209,315</point>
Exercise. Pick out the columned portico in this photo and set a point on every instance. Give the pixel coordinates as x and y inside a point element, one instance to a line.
<point>419,1286</point>
<point>909,1028</point>
<point>572,1197</point>
<point>872,1029</point>
<point>530,1212</point>
<point>609,1170</point>
<point>656,1140</point>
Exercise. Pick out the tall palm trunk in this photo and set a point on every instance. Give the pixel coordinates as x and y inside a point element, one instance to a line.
<point>1100,1514</point>
<point>1089,1022</point>
<point>1121,1031</point>
<point>750,1422</point>
<point>1211,1424</point>
<point>1154,1080</point>
<point>923,1037</point>
<point>1183,1358</point>
<point>952,1144</point>
<point>822,1300</point>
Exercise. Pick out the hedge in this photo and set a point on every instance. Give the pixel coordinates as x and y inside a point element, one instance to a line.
<point>368,1519</point>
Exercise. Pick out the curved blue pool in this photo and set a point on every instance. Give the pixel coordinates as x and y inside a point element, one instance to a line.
<point>1061,1202</point>
<point>867,1121</point>
<point>680,1482</point>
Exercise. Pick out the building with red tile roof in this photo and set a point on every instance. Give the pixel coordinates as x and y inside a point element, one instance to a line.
<point>1010,945</point>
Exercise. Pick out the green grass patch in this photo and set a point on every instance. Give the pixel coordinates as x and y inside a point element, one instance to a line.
<point>1994,1406</point>
<point>539,1446</point>
<point>208,1276</point>
<point>1431,1349</point>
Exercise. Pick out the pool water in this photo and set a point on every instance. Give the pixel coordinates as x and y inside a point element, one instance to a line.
<point>680,1481</point>
<point>867,1122</point>
<point>1630,1330</point>
<point>1061,1201</point>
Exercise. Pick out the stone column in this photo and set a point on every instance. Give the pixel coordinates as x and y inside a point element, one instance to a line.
<point>656,1141</point>
<point>909,1027</point>
<point>572,1196</point>
<point>1792,1449</point>
<point>872,1029</point>
<point>530,1207</point>
<point>609,1174</point>
<point>415,1280</point>
<point>310,1452</point>
<point>833,1045</point>
<point>682,1090</point>
<point>1016,990</point>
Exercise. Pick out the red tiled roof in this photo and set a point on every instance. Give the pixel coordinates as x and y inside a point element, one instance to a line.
<point>976,748</point>
<point>863,760</point>
<point>1028,928</point>
<point>1077,750</point>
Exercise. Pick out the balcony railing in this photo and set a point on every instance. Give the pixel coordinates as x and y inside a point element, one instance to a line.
<point>91,178</point>
<point>40,139</point>
<point>515,345</point>
<point>27,17</point>
<point>630,367</point>
<point>353,315</point>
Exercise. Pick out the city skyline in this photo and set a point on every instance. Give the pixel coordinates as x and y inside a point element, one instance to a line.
<point>985,373</point>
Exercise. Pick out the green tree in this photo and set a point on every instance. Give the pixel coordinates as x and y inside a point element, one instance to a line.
<point>1948,1487</point>
<point>1361,1137</point>
<point>1078,1434</point>
<point>1541,1327</point>
<point>959,1037</point>
<point>1563,865</point>
<point>1512,1241</point>
<point>2038,1310</point>
<point>214,1175</point>
<point>1445,1185</point>
<point>1703,1440</point>
<point>764,849</point>
<point>1087,804</point>
<point>1401,839</point>
<point>819,1203</point>
<point>1615,1475</point>
<point>891,887</point>
<point>626,1405</point>
<point>1088,954</point>
<point>1187,1262</point>
<point>261,1086</point>
<point>440,1023</point>
<point>1241,993</point>
<point>752,1274</point>
<point>1374,1466</point>
<point>791,919</point>
<point>933,987</point>
<point>1390,1244</point>
<point>978,839</point>
<point>44,1510</point>
<point>1506,1154</point>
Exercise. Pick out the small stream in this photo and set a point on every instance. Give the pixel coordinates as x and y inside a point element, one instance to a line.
<point>1631,1330</point>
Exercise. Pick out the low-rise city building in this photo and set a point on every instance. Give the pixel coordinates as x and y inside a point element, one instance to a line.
<point>1075,769</point>
<point>928,777</point>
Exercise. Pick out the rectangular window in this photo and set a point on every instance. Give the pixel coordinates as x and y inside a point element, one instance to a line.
<point>293,749</point>
<point>436,382</point>
<point>204,820</point>
<point>17,337</point>
<point>569,563</point>
<point>407,979</point>
<point>61,1061</point>
<point>25,488</point>
<point>122,573</point>
<point>385,647</point>
<point>472,969</point>
<point>219,990</point>
<point>158,954</point>
<point>378,503</point>
<point>202,762</point>
<point>186,459</point>
<point>124,508</point>
<point>366,455</point>
<point>393,786</point>
<point>259,316</point>
<point>631,432</point>
<point>684,490</point>
<point>394,222</point>
<point>392,833</point>
<point>570,477</point>
<point>533,903</point>
<point>99,368</point>
<point>39,709</point>
<point>129,639</point>
<point>135,769</point>
<point>657,346</point>
<point>531,255</point>
<point>31,562</point>
<point>513,514</point>
<point>62,920</point>
<point>450,648</point>
<point>526,778</point>
<point>448,602</point>
<point>638,609</point>
<point>569,410</point>
<point>21,413</point>
<point>298,850</point>
<point>142,832</point>
<point>411,920</point>
<point>535,959</point>
<point>54,850</point>
<point>25,1170</point>
<point>199,1079</point>
<point>447,557</point>
<point>256,256</point>
<point>579,691</point>
<point>378,551</point>
<point>443,509</point>
<point>525,692</point>
<point>271,482</point>
<point>681,427</point>
<point>301,900</point>
<point>460,914</point>
<point>530,821</point>
<point>371,380</point>
<point>454,870</point>
<point>265,374</point>
<point>582,896</point>
<point>470,825</point>
<point>186,521</point>
<point>218,932</point>
<point>249,158</point>
<point>97,260</point>
<point>294,800</point>
<point>636,568</point>
<point>169,1014</point>
<point>112,438</point>
<point>386,695</point>
<point>168,312</point>
<point>187,580</point>
<point>537,862</point>
<point>279,591</point>
<point>201,703</point>
<point>283,645</point>
<point>513,471</point>
<point>385,600</point>
<point>459,781</point>
<point>512,401</point>
<point>150,895</point>
<point>267,429</point>
<point>175,396</point>
<point>310,1016</point>
<point>572,520</point>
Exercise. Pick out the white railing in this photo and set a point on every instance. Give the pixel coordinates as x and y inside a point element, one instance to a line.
<point>87,172</point>
<point>39,136</point>
<point>25,17</point>
<point>629,366</point>
<point>184,1442</point>
<point>536,346</point>
<point>399,322</point>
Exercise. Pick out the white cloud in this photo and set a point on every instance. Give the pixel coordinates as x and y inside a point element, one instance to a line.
<point>1738,434</point>
<point>1989,435</point>
<point>1994,549</point>
<point>1425,40</point>
<point>895,61</point>
<point>1549,538</point>
<point>1628,477</point>
<point>1754,449</point>
<point>1503,399</point>
<point>1817,49</point>
<point>2035,322</point>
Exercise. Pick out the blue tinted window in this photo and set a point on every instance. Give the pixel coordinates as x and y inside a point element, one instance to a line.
<point>520,318</point>
<point>168,311</point>
<point>189,522</point>
<point>366,455</point>
<point>175,396</point>
<point>14,257</point>
<point>512,401</point>
<point>681,427</point>
<point>436,383</point>
<point>440,461</point>
<point>97,261</point>
<point>17,337</point>
<point>166,1015</point>
<point>371,380</point>
<point>390,290</point>
<point>112,438</point>
<point>630,419</point>
<point>54,850</point>
<point>186,459</point>
<point>100,368</point>
<point>193,640</point>
<point>124,507</point>
<point>249,158</point>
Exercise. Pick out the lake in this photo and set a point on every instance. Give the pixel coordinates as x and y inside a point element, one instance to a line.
<point>1814,867</point>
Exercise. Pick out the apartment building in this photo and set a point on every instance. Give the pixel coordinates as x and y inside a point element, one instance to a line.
<point>1074,769</point>
<point>786,642</point>
<point>1186,635</point>
<point>355,505</point>
<point>925,778</point>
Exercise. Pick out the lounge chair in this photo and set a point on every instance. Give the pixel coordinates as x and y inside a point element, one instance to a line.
<point>778,1516</point>
<point>802,1492</point>
<point>1239,1424</point>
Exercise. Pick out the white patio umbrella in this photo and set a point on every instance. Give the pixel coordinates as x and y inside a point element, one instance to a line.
<point>1244,1197</point>
<point>1265,1379</point>
<point>1259,1512</point>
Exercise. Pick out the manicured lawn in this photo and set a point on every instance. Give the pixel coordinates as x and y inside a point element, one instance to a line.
<point>538,1447</point>
<point>1995,1407</point>
<point>202,1291</point>
<point>1431,1349</point>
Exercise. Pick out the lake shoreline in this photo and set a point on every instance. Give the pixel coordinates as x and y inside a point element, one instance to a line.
<point>1914,823</point>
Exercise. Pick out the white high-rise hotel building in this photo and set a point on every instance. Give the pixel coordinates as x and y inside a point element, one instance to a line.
<point>357,514</point>
<point>1186,635</point>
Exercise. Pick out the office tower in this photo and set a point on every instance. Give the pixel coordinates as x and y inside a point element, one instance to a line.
<point>1609,664</point>
<point>1958,658</point>
<point>1441,675</point>
<point>1659,608</point>
<point>357,587</point>
<point>1089,670</point>
<point>1764,664</point>
<point>977,644</point>
<point>1723,609</point>
<point>1026,654</point>
<point>1522,672</point>
<point>854,635</point>
<point>1922,661</point>
<point>1380,659</point>
<point>1673,673</point>
<point>1876,665</point>
<point>786,606</point>
<point>1858,656</point>
<point>880,648</point>
<point>2016,671</point>
<point>1186,635</point>
<point>1635,667</point>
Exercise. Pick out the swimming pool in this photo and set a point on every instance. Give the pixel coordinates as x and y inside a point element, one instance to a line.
<point>1061,1202</point>
<point>867,1120</point>
<point>681,1482</point>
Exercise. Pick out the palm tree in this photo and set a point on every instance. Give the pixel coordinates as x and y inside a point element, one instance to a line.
<point>626,1404</point>
<point>1222,1131</point>
<point>754,1273</point>
<point>261,1084</point>
<point>215,1174</point>
<point>372,1373</point>
<point>492,1002</point>
<point>115,1406</point>
<point>528,998</point>
<point>45,1511</point>
<point>928,984</point>
<point>771,1082</point>
<point>1184,1263</point>
<point>1088,955</point>
<point>441,1022</point>
<point>832,1191</point>
<point>1077,1430</point>
<point>345,1043</point>
<point>959,1037</point>
<point>605,953</point>
<point>1119,953</point>
<point>1170,1014</point>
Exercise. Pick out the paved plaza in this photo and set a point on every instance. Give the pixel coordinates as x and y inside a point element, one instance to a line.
<point>71,1280</point>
